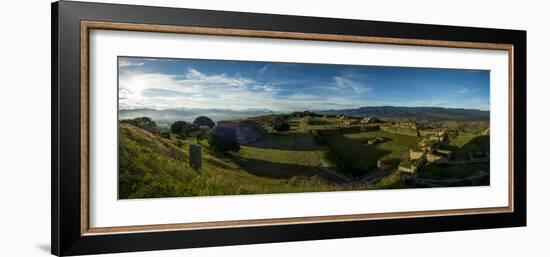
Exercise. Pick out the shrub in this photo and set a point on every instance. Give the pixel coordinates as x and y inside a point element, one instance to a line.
<point>281,127</point>
<point>223,140</point>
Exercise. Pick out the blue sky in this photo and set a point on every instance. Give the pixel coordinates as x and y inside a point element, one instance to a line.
<point>282,87</point>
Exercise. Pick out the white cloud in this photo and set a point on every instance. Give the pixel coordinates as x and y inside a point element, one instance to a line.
<point>464,90</point>
<point>303,97</point>
<point>194,89</point>
<point>171,91</point>
<point>263,69</point>
<point>346,83</point>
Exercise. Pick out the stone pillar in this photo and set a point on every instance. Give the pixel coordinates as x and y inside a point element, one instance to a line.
<point>195,156</point>
<point>380,164</point>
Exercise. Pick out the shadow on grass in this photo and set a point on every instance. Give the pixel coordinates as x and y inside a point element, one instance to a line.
<point>358,158</point>
<point>269,169</point>
<point>393,161</point>
<point>286,142</point>
<point>476,144</point>
<point>217,163</point>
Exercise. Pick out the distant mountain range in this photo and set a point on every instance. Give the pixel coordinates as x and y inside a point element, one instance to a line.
<point>413,113</point>
<point>189,114</point>
<point>165,117</point>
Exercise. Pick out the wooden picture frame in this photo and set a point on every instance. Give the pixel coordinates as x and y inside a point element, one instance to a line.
<point>71,25</point>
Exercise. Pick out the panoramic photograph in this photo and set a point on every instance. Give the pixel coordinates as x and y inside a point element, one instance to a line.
<point>196,127</point>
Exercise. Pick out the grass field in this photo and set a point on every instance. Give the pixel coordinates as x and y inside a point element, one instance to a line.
<point>360,158</point>
<point>151,167</point>
<point>464,143</point>
<point>284,155</point>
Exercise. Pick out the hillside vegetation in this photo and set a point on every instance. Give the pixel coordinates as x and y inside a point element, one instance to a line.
<point>297,152</point>
<point>152,166</point>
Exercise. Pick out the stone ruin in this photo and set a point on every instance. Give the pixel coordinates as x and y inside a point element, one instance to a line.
<point>411,166</point>
<point>375,140</point>
<point>416,153</point>
<point>195,157</point>
<point>367,120</point>
<point>248,131</point>
<point>401,128</point>
<point>411,125</point>
<point>429,149</point>
<point>381,165</point>
<point>439,156</point>
<point>434,135</point>
<point>436,158</point>
<point>350,122</point>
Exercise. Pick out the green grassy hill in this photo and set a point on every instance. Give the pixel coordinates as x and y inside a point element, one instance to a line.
<point>151,166</point>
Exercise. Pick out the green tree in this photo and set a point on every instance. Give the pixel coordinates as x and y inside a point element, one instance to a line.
<point>203,121</point>
<point>183,129</point>
<point>282,126</point>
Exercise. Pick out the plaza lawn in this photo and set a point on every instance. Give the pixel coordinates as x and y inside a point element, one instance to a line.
<point>465,143</point>
<point>284,155</point>
<point>360,158</point>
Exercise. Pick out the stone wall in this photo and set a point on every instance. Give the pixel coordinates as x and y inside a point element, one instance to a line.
<point>400,130</point>
<point>328,132</point>
<point>371,128</point>
<point>437,138</point>
<point>350,130</point>
<point>406,168</point>
<point>411,125</point>
<point>425,133</point>
<point>446,153</point>
<point>416,154</point>
<point>436,158</point>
